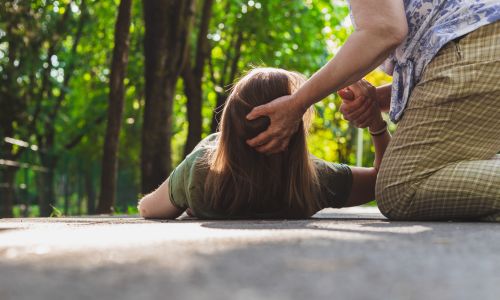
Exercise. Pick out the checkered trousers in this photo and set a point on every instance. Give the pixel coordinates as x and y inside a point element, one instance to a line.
<point>442,162</point>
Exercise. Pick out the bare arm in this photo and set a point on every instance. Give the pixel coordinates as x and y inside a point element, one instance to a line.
<point>364,179</point>
<point>157,205</point>
<point>384,97</point>
<point>380,27</point>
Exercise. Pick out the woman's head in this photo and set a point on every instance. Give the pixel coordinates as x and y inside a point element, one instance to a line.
<point>243,182</point>
<point>257,87</point>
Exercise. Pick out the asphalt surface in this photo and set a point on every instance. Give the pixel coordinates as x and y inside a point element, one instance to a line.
<point>339,254</point>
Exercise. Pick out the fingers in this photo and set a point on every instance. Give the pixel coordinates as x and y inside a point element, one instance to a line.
<point>261,139</point>
<point>370,89</point>
<point>352,106</point>
<point>284,120</point>
<point>258,111</point>
<point>361,110</point>
<point>360,88</point>
<point>365,119</point>
<point>365,108</point>
<point>356,107</point>
<point>274,146</point>
<point>269,143</point>
<point>346,94</point>
<point>364,86</point>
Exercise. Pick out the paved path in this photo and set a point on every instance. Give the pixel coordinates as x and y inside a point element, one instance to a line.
<point>340,254</point>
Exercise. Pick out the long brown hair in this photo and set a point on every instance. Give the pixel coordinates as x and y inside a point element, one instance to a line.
<point>242,182</point>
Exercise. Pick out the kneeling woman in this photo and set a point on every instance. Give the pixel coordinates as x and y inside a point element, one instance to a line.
<point>224,178</point>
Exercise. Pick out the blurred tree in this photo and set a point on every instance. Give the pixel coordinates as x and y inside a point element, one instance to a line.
<point>167,25</point>
<point>55,58</point>
<point>55,90</point>
<point>192,75</point>
<point>115,109</point>
<point>35,32</point>
<point>20,39</point>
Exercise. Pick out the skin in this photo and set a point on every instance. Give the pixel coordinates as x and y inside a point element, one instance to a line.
<point>384,97</point>
<point>157,205</point>
<point>380,24</point>
<point>358,97</point>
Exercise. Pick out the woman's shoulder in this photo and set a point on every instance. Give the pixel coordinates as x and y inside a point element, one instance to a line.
<point>209,142</point>
<point>206,145</point>
<point>187,179</point>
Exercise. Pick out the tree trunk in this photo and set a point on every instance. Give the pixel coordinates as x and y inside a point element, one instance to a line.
<point>46,190</point>
<point>235,45</point>
<point>49,161</point>
<point>115,110</point>
<point>89,190</point>
<point>192,88</point>
<point>46,139</point>
<point>8,173</point>
<point>193,76</point>
<point>66,194</point>
<point>167,28</point>
<point>8,192</point>
<point>80,195</point>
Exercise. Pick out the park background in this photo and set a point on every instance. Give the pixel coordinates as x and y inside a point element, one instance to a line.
<point>99,100</point>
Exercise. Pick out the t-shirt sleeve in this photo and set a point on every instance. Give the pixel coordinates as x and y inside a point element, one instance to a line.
<point>177,185</point>
<point>186,180</point>
<point>335,182</point>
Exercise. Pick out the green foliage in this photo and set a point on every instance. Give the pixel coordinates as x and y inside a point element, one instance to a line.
<point>56,213</point>
<point>296,35</point>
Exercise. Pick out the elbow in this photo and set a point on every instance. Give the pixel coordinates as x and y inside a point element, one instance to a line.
<point>143,210</point>
<point>391,35</point>
<point>396,34</point>
<point>399,34</point>
<point>374,171</point>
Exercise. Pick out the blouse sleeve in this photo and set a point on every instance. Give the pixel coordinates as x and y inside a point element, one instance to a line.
<point>177,182</point>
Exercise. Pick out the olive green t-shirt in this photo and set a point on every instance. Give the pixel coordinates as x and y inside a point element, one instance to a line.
<point>187,181</point>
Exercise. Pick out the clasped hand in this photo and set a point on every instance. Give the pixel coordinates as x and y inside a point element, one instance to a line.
<point>360,105</point>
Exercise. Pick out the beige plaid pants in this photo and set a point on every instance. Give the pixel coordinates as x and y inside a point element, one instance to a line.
<point>442,162</point>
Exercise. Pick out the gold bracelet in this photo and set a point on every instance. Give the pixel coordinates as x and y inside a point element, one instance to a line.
<point>380,131</point>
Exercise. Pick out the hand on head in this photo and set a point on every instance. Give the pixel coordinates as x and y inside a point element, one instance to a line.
<point>285,118</point>
<point>360,105</point>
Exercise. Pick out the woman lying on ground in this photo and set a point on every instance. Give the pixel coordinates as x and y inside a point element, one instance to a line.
<point>225,178</point>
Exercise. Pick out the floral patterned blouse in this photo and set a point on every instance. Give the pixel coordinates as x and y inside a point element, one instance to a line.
<point>431,24</point>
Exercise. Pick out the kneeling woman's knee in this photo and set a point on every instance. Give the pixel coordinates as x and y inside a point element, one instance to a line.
<point>393,199</point>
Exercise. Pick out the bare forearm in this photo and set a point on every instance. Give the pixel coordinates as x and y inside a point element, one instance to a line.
<point>380,142</point>
<point>384,97</point>
<point>352,62</point>
<point>380,27</point>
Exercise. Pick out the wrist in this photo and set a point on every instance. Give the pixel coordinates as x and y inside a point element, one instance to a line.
<point>299,104</point>
<point>384,97</point>
<point>378,124</point>
<point>378,128</point>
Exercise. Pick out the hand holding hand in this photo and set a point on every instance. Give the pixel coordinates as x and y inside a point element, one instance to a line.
<point>360,105</point>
